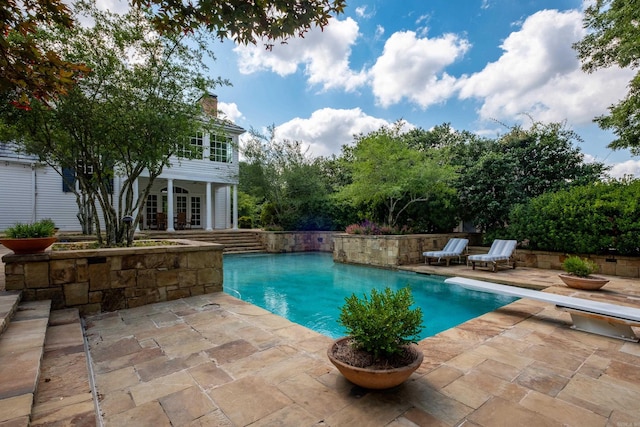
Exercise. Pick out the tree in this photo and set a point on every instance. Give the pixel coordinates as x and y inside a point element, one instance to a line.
<point>386,171</point>
<point>244,21</point>
<point>130,114</point>
<point>613,40</point>
<point>31,71</point>
<point>28,69</point>
<point>497,174</point>
<point>295,196</point>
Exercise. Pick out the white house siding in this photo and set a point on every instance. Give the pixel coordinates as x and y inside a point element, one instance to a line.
<point>30,193</point>
<point>52,202</point>
<point>16,200</point>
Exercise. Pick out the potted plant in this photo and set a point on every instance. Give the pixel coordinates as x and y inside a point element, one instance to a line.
<point>579,272</point>
<point>380,350</point>
<point>30,238</point>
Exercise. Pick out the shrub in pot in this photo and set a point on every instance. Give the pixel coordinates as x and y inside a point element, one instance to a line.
<point>379,351</point>
<point>30,238</point>
<point>579,273</point>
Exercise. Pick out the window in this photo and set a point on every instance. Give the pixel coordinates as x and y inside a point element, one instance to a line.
<point>194,149</point>
<point>85,172</point>
<point>68,180</point>
<point>220,149</point>
<point>195,211</point>
<point>152,209</point>
<point>181,203</point>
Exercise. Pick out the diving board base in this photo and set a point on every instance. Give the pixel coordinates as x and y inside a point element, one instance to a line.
<point>602,325</point>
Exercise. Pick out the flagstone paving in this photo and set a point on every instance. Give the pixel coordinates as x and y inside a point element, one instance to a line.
<point>213,360</point>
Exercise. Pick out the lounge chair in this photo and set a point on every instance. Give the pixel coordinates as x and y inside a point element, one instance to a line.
<point>453,249</point>
<point>501,251</point>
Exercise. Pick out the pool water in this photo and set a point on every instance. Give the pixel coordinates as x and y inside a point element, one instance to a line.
<point>309,289</point>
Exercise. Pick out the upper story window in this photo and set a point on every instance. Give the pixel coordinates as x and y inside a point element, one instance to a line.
<point>220,149</point>
<point>194,149</point>
<point>69,176</point>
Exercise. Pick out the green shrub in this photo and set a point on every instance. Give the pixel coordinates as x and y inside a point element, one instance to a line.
<point>581,267</point>
<point>588,219</point>
<point>384,323</point>
<point>245,222</point>
<point>43,228</point>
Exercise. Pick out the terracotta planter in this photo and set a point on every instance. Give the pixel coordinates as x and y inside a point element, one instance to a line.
<point>28,246</point>
<point>374,378</point>
<point>586,283</point>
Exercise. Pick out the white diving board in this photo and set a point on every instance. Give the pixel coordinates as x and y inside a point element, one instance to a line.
<point>597,317</point>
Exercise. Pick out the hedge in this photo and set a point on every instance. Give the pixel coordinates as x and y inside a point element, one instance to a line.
<point>591,219</point>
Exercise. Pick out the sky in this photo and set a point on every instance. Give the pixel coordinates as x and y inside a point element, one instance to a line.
<point>480,65</point>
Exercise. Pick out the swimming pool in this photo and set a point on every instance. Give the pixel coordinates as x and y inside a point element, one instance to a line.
<point>309,289</point>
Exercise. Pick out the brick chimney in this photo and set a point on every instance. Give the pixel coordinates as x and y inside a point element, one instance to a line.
<point>209,104</point>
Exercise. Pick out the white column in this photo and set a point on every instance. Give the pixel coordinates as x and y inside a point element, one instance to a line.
<point>235,207</point>
<point>170,206</point>
<point>135,198</point>
<point>34,193</point>
<point>209,205</point>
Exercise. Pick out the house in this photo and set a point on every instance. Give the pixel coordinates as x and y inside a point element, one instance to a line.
<point>192,192</point>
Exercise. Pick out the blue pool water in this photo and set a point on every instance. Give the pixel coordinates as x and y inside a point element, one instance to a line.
<point>309,289</point>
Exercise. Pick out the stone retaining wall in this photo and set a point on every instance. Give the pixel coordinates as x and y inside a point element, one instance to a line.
<point>623,266</point>
<point>116,278</point>
<point>297,241</point>
<point>393,251</point>
<point>389,251</point>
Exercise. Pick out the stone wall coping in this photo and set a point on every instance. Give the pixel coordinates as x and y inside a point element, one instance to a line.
<point>184,244</point>
<point>399,236</point>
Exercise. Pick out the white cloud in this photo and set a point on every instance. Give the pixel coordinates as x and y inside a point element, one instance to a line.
<point>411,67</point>
<point>115,6</point>
<point>230,111</point>
<point>324,54</point>
<point>328,129</point>
<point>630,167</point>
<point>361,12</point>
<point>539,74</point>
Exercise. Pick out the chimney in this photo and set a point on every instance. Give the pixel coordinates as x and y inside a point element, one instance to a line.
<point>209,104</point>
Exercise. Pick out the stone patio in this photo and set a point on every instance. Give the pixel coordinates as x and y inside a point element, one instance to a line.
<point>213,360</point>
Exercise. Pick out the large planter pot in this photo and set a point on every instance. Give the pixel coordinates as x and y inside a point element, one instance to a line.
<point>375,378</point>
<point>586,283</point>
<point>25,246</point>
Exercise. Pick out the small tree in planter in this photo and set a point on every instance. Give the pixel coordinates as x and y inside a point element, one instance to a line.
<point>579,273</point>
<point>379,351</point>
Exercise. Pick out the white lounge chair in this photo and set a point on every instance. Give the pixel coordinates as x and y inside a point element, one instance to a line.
<point>501,251</point>
<point>453,249</point>
<point>597,317</point>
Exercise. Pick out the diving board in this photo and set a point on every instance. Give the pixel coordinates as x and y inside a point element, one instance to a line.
<point>597,317</point>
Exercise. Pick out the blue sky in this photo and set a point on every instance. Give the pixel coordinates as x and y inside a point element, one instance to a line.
<point>471,63</point>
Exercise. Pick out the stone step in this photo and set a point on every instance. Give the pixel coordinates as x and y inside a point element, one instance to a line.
<point>21,349</point>
<point>64,395</point>
<point>234,241</point>
<point>9,301</point>
<point>244,250</point>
